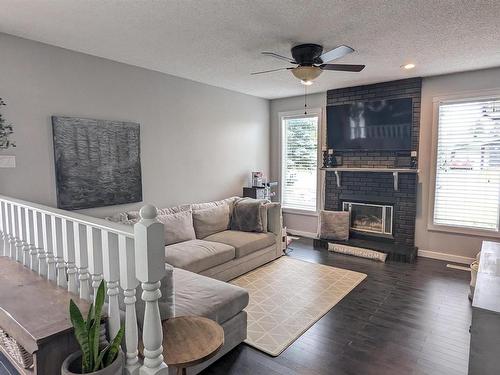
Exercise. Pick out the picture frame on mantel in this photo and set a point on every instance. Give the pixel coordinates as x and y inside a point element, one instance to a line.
<point>97,162</point>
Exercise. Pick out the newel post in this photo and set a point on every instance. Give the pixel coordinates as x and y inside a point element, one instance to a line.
<point>150,269</point>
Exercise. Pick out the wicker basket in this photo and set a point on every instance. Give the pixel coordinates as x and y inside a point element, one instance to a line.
<point>15,351</point>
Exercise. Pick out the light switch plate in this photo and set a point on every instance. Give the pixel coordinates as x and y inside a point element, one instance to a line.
<point>7,161</point>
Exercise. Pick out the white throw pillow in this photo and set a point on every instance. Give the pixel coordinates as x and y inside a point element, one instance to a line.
<point>178,227</point>
<point>211,220</point>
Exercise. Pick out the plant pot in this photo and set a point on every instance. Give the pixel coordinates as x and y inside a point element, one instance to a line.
<point>72,366</point>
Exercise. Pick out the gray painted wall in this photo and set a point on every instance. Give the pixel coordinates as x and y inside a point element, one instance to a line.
<point>441,242</point>
<point>198,142</point>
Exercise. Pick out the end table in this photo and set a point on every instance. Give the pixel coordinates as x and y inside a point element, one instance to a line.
<point>190,340</point>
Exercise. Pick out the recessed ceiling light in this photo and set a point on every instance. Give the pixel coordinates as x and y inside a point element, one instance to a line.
<point>408,66</point>
<point>307,83</point>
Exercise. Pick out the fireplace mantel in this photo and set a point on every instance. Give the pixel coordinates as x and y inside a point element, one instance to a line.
<point>395,172</point>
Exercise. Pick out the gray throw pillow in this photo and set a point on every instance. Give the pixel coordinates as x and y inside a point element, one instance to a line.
<point>248,214</point>
<point>178,227</point>
<point>334,225</point>
<point>211,220</point>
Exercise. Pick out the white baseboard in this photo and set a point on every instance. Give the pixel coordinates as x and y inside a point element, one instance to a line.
<point>445,256</point>
<point>301,233</point>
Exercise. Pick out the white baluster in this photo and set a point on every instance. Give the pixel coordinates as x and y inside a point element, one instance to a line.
<point>69,254</point>
<point>129,283</point>
<point>57,249</point>
<point>31,236</point>
<point>18,245</point>
<point>8,232</point>
<point>81,259</point>
<point>21,215</point>
<point>47,245</point>
<point>150,269</point>
<point>42,259</point>
<point>2,229</point>
<point>111,275</point>
<point>94,244</point>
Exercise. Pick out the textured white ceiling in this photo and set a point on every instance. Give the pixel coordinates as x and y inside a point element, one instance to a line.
<point>219,41</point>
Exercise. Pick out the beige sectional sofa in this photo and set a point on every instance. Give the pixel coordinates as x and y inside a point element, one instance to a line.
<point>205,253</point>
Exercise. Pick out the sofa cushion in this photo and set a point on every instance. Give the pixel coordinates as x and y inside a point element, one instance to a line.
<point>204,296</point>
<point>244,242</point>
<point>177,227</point>
<point>198,255</point>
<point>211,220</point>
<point>228,201</point>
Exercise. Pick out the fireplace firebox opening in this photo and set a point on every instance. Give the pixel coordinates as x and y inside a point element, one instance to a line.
<point>368,218</point>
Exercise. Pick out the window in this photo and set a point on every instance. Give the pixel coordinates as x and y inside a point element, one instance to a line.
<point>299,162</point>
<point>467,186</point>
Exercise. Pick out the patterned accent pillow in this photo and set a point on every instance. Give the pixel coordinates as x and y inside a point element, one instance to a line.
<point>117,218</point>
<point>334,225</point>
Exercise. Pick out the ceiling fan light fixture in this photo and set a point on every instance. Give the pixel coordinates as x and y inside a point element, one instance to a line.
<point>306,73</point>
<point>408,66</point>
<point>306,83</point>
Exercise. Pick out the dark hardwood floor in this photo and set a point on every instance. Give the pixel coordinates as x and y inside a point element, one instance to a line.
<point>403,319</point>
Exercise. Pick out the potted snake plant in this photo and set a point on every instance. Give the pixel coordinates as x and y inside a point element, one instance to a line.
<point>93,358</point>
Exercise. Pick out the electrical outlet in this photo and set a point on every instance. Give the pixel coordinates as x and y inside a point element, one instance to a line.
<point>7,161</point>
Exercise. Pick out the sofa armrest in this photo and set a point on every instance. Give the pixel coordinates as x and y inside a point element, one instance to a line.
<point>274,219</point>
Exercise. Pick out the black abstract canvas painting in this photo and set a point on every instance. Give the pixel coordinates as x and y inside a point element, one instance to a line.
<point>97,162</point>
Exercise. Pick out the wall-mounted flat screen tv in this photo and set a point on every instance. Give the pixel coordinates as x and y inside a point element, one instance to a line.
<point>374,126</point>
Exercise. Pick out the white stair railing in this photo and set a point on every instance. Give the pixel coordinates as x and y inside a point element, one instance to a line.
<point>77,252</point>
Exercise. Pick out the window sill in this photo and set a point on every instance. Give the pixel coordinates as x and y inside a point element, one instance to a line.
<point>294,211</point>
<point>463,231</point>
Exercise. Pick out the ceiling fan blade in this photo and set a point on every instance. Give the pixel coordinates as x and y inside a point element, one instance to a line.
<point>336,53</point>
<point>280,57</point>
<point>269,71</point>
<point>343,67</point>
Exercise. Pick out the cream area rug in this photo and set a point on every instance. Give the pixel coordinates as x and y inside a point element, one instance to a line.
<point>287,296</point>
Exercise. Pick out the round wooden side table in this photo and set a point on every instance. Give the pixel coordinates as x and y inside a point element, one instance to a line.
<point>189,340</point>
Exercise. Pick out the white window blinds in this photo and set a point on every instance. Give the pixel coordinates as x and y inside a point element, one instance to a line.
<point>467,190</point>
<point>299,162</point>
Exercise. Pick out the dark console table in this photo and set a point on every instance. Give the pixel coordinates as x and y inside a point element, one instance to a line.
<point>34,312</point>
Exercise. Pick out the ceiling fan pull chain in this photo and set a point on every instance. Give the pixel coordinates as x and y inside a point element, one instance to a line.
<point>305,100</point>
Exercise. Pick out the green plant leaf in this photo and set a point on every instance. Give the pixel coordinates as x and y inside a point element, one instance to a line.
<point>90,316</point>
<point>99,302</point>
<point>94,343</point>
<point>114,347</point>
<point>95,328</point>
<point>81,334</point>
<point>99,363</point>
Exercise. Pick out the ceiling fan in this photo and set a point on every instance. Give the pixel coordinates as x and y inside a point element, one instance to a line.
<point>311,61</point>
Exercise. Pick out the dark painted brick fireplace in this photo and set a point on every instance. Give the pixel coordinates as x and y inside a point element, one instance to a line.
<point>369,187</point>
